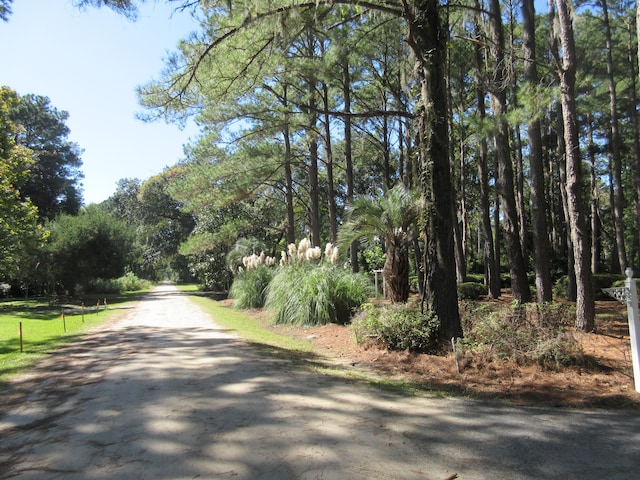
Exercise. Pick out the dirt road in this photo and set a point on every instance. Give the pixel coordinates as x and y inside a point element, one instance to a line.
<point>166,394</point>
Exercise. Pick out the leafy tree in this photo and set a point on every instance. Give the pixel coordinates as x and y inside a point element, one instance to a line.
<point>164,227</point>
<point>54,181</point>
<point>124,202</point>
<point>20,232</point>
<point>91,245</point>
<point>350,90</point>
<point>159,222</point>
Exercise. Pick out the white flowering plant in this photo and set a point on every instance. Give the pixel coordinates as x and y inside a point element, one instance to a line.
<point>307,288</point>
<point>305,253</point>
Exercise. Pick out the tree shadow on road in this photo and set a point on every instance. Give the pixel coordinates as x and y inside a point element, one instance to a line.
<point>187,402</point>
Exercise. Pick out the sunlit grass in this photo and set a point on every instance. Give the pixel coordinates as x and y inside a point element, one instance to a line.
<point>44,328</point>
<point>191,287</point>
<point>248,327</point>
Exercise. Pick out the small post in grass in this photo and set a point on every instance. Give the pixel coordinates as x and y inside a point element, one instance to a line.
<point>64,322</point>
<point>21,348</point>
<point>82,308</point>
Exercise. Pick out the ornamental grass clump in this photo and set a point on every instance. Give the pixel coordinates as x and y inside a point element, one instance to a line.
<point>250,284</point>
<point>307,290</point>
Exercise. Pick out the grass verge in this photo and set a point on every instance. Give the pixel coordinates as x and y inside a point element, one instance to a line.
<point>301,353</point>
<point>248,328</point>
<point>44,328</point>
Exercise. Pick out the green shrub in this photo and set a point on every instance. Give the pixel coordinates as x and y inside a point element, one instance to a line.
<point>475,277</point>
<point>598,280</point>
<point>525,334</point>
<point>131,283</point>
<point>127,283</point>
<point>101,286</point>
<point>605,280</point>
<point>471,291</point>
<point>623,283</point>
<point>396,327</point>
<point>249,287</point>
<point>306,294</point>
<point>374,257</point>
<point>560,287</point>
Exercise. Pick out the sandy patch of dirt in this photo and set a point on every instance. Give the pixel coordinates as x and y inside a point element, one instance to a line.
<point>605,381</point>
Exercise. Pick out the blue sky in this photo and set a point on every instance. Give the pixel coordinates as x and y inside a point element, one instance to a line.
<point>89,64</point>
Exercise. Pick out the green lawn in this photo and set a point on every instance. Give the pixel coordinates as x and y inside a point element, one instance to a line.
<point>43,327</point>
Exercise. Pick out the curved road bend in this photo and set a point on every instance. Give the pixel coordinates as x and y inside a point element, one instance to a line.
<point>166,394</point>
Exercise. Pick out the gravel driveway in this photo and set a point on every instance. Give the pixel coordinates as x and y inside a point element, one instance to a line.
<point>166,394</point>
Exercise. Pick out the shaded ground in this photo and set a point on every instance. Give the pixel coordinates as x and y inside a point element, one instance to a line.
<point>165,394</point>
<point>606,379</point>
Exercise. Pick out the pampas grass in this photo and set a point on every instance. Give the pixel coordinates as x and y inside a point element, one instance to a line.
<point>315,295</point>
<point>249,287</point>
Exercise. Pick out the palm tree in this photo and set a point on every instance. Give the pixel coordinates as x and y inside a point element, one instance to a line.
<point>391,218</point>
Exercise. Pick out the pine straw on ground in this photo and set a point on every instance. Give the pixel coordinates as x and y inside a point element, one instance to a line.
<point>605,380</point>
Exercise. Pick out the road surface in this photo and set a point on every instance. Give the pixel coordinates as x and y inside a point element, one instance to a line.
<point>166,394</point>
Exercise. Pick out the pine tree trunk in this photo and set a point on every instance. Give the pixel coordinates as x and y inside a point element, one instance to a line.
<point>585,303</point>
<point>566,232</point>
<point>504,178</point>
<point>428,38</point>
<point>312,173</point>
<point>290,231</point>
<point>614,143</point>
<point>633,114</point>
<point>636,140</point>
<point>541,247</point>
<point>595,213</point>
<point>348,160</point>
<point>492,270</point>
<point>386,146</point>
<point>331,194</point>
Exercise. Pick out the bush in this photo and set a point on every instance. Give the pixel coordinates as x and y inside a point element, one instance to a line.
<point>471,291</point>
<point>304,294</point>
<point>396,327</point>
<point>101,286</point>
<point>525,334</point>
<point>599,281</point>
<point>560,287</point>
<point>249,287</point>
<point>623,283</point>
<point>475,277</point>
<point>127,283</point>
<point>130,283</point>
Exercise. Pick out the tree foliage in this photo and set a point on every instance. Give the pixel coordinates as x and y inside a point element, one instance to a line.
<point>91,245</point>
<point>53,184</point>
<point>20,232</point>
